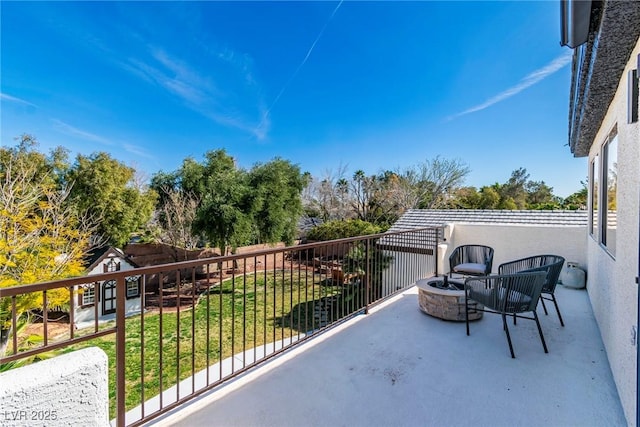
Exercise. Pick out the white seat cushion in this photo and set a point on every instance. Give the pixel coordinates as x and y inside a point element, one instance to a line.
<point>470,268</point>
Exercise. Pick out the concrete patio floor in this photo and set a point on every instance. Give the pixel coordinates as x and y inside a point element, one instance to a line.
<point>400,367</point>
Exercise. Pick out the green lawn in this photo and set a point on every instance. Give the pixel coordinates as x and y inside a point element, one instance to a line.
<point>281,308</point>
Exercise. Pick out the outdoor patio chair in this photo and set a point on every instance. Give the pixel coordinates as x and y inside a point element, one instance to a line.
<point>551,264</point>
<point>471,260</point>
<point>509,294</point>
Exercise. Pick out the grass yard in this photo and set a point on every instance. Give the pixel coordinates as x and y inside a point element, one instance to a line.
<point>238,315</point>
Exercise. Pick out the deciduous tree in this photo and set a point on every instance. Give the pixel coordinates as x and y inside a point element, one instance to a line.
<point>275,199</point>
<point>223,216</point>
<point>105,188</point>
<point>42,238</point>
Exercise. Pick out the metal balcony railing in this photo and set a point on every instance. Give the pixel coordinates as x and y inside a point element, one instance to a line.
<point>206,321</point>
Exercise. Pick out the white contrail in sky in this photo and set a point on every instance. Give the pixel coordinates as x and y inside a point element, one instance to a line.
<point>304,61</point>
<point>66,128</point>
<point>526,82</point>
<point>14,99</point>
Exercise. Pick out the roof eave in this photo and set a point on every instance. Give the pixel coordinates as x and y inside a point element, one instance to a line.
<point>607,51</point>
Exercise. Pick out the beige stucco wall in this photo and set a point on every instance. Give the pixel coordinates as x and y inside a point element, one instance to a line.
<point>511,242</point>
<point>611,281</point>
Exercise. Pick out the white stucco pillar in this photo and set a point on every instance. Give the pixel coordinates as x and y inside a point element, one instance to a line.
<point>70,389</point>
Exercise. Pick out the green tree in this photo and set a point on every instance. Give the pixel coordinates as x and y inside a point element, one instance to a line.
<point>490,197</point>
<point>577,200</point>
<point>275,200</point>
<point>337,229</point>
<point>105,188</point>
<point>513,194</point>
<point>224,215</point>
<point>42,238</point>
<point>540,196</point>
<point>465,198</point>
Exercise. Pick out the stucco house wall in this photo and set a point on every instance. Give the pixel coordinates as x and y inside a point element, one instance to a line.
<point>611,280</point>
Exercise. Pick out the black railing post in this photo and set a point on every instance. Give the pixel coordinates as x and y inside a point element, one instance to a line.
<point>367,281</point>
<point>435,250</point>
<point>120,353</point>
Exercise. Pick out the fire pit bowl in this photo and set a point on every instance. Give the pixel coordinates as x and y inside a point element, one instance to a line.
<point>444,299</point>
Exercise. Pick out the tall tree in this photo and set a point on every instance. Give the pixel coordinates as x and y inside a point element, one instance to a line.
<point>363,190</point>
<point>429,184</point>
<point>178,213</point>
<point>105,188</point>
<point>438,179</point>
<point>325,196</point>
<point>223,216</point>
<point>42,238</point>
<point>540,196</point>
<point>466,198</point>
<point>513,193</point>
<point>577,200</point>
<point>275,199</point>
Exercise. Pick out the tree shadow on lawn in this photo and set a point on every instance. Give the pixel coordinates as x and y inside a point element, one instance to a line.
<point>311,315</point>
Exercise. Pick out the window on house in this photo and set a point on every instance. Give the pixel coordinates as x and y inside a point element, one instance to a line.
<point>594,169</point>
<point>109,297</point>
<point>133,286</point>
<point>632,96</point>
<point>111,265</point>
<point>609,188</point>
<point>88,295</point>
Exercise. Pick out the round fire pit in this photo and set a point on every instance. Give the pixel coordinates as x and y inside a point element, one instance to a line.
<point>445,301</point>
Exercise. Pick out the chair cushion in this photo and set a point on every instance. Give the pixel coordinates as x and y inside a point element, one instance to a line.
<point>470,268</point>
<point>517,302</point>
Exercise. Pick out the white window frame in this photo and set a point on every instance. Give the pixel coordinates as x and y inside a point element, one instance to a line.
<point>112,265</point>
<point>88,295</point>
<point>594,196</point>
<point>130,283</point>
<point>607,216</point>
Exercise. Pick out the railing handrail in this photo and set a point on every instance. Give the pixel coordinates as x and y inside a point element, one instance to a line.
<point>81,280</point>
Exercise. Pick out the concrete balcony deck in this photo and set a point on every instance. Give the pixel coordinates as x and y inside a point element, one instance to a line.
<point>398,366</point>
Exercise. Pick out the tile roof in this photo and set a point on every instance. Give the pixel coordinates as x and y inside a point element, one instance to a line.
<point>416,218</point>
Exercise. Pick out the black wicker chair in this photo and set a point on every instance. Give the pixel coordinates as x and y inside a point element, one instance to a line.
<point>471,260</point>
<point>510,294</point>
<point>551,264</point>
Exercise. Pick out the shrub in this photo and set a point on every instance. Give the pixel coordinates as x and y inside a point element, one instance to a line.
<point>338,229</point>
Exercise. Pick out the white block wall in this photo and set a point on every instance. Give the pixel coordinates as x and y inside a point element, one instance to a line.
<point>67,390</point>
<point>511,242</point>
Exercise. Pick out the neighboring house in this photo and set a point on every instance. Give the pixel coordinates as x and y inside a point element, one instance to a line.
<point>99,298</point>
<point>603,126</point>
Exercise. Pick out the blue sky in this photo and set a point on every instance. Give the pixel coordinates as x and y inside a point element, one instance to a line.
<point>359,85</point>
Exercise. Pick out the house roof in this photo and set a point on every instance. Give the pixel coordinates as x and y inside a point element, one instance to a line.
<point>417,218</point>
<point>598,67</point>
<point>424,241</point>
<point>97,255</point>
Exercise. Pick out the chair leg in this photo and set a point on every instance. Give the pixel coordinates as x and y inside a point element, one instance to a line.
<point>553,298</point>
<point>544,344</point>
<point>466,310</point>
<point>506,330</point>
<point>544,306</point>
